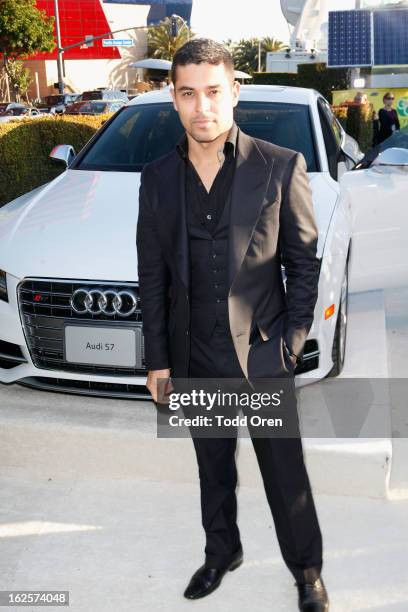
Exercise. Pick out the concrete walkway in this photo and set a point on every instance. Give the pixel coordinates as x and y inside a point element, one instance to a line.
<point>132,545</point>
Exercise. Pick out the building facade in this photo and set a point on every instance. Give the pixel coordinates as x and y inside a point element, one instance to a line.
<point>92,65</point>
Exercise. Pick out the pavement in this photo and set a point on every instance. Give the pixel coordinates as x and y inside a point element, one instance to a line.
<point>92,502</point>
<point>124,545</point>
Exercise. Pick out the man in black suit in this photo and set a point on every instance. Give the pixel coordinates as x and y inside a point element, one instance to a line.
<point>217,217</point>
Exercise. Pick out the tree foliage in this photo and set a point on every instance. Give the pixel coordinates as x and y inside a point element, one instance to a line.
<point>24,30</point>
<point>245,52</point>
<point>161,44</point>
<point>20,77</point>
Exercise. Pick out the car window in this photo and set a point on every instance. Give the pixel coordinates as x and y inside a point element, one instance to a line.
<point>142,133</point>
<point>332,120</point>
<point>96,107</point>
<point>287,125</point>
<point>54,100</point>
<point>92,95</point>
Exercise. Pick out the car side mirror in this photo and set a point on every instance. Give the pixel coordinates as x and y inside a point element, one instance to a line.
<point>344,163</point>
<point>64,153</point>
<point>394,156</point>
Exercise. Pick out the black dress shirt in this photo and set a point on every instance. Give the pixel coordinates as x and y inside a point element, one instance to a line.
<point>208,206</point>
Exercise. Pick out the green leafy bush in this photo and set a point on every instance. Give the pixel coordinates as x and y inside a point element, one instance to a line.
<point>25,146</point>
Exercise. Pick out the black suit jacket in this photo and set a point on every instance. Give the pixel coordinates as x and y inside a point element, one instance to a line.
<point>271,222</point>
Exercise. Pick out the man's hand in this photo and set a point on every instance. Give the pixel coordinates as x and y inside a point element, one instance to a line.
<point>152,377</point>
<point>293,359</point>
<point>290,355</point>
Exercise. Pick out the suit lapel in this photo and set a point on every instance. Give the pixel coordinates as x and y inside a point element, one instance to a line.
<point>251,180</point>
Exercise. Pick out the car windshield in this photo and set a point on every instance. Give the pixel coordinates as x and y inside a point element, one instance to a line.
<point>92,95</point>
<point>52,100</point>
<point>397,139</point>
<point>18,111</point>
<point>76,106</point>
<point>97,107</point>
<point>141,133</point>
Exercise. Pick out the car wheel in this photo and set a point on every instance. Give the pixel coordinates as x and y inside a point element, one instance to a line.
<point>339,342</point>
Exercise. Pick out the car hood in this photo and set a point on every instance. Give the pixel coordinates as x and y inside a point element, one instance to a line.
<point>80,225</point>
<point>83,225</point>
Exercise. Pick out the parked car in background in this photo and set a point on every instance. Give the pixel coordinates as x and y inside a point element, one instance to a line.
<point>7,106</point>
<point>94,107</point>
<point>58,103</point>
<point>19,111</point>
<point>104,94</point>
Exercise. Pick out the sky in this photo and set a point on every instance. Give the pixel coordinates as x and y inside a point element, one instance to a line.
<point>223,19</point>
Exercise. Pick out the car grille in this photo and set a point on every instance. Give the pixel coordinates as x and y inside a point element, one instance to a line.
<point>45,310</point>
<point>44,319</point>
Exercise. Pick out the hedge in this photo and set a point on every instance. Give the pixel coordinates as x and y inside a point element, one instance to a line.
<point>357,122</point>
<point>25,146</point>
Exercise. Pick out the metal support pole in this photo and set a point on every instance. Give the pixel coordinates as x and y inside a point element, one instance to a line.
<point>259,55</point>
<point>59,49</point>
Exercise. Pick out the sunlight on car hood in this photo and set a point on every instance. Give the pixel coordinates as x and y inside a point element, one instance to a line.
<point>83,225</point>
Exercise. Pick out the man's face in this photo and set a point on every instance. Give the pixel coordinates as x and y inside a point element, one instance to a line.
<point>204,96</point>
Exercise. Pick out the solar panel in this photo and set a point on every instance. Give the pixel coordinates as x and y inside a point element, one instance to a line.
<point>349,38</point>
<point>390,37</point>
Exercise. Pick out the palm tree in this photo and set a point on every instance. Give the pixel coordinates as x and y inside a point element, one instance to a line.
<point>245,52</point>
<point>272,44</point>
<point>161,44</point>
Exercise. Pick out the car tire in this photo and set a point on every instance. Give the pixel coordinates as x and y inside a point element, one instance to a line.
<point>340,334</point>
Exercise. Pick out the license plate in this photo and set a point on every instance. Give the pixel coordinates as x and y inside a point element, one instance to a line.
<point>103,346</point>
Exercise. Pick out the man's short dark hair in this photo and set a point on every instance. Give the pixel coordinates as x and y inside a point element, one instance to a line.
<point>202,50</point>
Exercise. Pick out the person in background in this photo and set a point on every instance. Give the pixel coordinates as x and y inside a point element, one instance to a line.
<point>387,118</point>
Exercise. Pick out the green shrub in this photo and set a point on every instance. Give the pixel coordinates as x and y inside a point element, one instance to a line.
<point>25,146</point>
<point>357,122</point>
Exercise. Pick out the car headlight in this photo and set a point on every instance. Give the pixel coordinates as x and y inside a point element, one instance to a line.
<point>3,286</point>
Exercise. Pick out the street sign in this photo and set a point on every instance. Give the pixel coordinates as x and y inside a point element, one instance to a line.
<point>117,42</point>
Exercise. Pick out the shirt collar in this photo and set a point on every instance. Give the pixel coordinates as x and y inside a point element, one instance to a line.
<point>229,146</point>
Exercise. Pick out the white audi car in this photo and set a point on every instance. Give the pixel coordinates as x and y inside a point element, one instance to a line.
<point>70,317</point>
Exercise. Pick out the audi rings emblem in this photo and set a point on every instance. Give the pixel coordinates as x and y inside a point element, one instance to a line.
<point>108,302</point>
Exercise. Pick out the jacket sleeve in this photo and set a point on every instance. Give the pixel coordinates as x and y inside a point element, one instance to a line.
<point>153,284</point>
<point>298,244</point>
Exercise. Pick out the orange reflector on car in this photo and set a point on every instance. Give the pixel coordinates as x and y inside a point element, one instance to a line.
<point>329,311</point>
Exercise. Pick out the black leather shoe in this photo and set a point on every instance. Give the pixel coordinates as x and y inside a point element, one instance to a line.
<point>313,597</point>
<point>207,579</point>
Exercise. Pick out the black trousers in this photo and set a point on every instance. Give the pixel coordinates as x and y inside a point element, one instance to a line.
<point>283,471</point>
